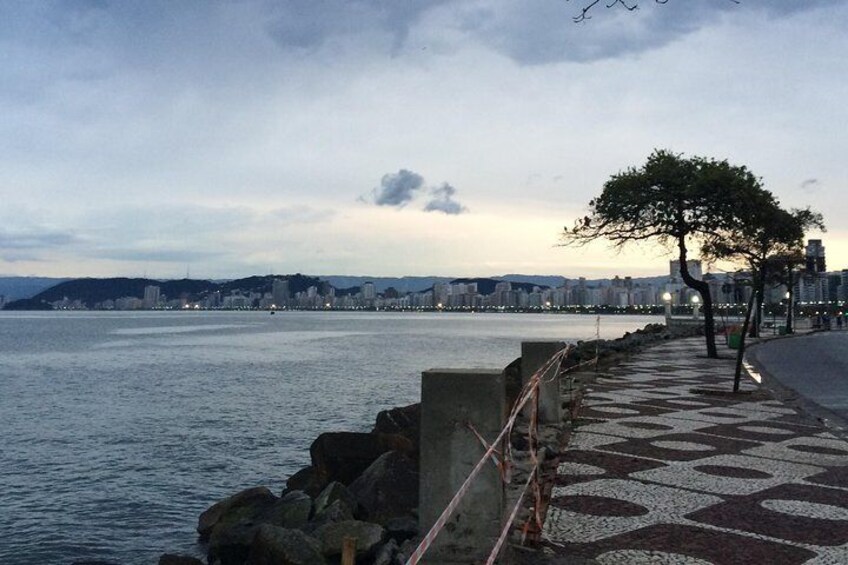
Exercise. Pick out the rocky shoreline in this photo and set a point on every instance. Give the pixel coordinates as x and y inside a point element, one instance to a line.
<point>362,486</point>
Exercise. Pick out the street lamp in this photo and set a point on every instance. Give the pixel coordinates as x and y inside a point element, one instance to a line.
<point>696,302</point>
<point>790,311</point>
<point>667,299</point>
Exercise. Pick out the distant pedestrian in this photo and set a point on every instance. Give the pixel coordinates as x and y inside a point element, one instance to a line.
<point>826,321</point>
<point>839,320</point>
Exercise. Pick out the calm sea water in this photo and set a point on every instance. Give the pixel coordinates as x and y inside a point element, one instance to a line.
<point>118,429</point>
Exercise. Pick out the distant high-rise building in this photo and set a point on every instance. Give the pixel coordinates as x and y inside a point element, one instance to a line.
<point>151,297</point>
<point>693,266</point>
<point>814,285</point>
<point>814,255</point>
<point>440,294</point>
<point>281,293</point>
<point>369,291</point>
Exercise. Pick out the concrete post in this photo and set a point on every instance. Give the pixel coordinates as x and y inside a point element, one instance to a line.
<point>534,354</point>
<point>450,398</point>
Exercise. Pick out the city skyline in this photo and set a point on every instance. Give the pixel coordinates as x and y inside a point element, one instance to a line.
<point>427,138</point>
<point>813,285</point>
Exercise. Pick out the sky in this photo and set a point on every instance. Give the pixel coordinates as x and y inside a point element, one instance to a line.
<point>386,138</point>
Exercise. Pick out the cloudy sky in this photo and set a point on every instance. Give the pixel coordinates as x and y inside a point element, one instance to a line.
<point>382,137</point>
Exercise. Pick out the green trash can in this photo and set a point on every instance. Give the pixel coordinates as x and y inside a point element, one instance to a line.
<point>781,330</point>
<point>734,340</point>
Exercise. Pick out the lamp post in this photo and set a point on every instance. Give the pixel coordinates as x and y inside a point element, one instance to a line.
<point>667,300</point>
<point>790,311</point>
<point>696,302</point>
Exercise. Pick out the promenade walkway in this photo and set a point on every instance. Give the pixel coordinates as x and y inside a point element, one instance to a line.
<point>658,472</point>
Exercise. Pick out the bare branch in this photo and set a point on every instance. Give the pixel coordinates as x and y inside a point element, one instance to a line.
<point>629,6</point>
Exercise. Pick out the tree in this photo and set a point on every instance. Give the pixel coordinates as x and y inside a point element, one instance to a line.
<point>760,234</point>
<point>785,273</point>
<point>673,201</point>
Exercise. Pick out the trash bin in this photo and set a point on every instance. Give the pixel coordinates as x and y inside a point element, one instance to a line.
<point>781,330</point>
<point>734,340</point>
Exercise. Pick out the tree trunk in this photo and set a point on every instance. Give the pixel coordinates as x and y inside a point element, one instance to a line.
<point>759,292</point>
<point>737,377</point>
<point>704,290</point>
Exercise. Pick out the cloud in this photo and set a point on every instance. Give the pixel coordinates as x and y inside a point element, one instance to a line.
<point>533,32</point>
<point>182,256</point>
<point>35,239</point>
<point>309,24</point>
<point>810,185</point>
<point>443,201</point>
<point>397,189</point>
<point>29,244</point>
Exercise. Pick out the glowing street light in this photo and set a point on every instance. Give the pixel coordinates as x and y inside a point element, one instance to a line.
<point>696,302</point>
<point>667,299</point>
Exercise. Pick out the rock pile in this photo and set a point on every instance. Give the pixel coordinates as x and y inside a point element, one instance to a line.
<point>359,485</point>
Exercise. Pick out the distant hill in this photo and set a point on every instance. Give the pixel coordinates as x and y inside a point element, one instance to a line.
<point>401,284</point>
<point>420,284</point>
<point>552,281</point>
<point>90,291</point>
<point>14,288</point>
<point>487,286</point>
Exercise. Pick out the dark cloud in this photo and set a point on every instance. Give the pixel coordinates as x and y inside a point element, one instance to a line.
<point>397,189</point>
<point>308,24</point>
<point>531,33</point>
<point>543,31</point>
<point>35,239</point>
<point>27,245</point>
<point>810,185</point>
<point>443,201</point>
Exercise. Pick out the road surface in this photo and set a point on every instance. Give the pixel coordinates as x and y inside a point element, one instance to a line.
<point>815,366</point>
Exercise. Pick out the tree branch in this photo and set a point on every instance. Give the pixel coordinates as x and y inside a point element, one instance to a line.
<point>629,6</point>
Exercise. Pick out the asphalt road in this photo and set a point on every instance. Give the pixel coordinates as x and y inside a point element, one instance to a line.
<point>815,366</point>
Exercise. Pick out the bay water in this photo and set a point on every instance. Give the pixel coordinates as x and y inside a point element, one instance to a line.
<point>117,429</point>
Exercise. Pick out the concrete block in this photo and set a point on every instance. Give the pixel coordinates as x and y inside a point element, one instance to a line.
<point>534,354</point>
<point>449,451</point>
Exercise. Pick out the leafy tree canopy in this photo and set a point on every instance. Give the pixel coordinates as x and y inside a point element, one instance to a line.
<point>669,199</point>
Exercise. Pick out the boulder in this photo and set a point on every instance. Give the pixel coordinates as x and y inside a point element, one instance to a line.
<point>387,489</point>
<point>402,529</point>
<point>291,511</point>
<point>343,456</point>
<point>368,537</point>
<point>232,535</point>
<point>246,503</point>
<point>273,545</point>
<point>306,480</point>
<point>173,559</point>
<point>513,384</point>
<point>331,493</point>
<point>407,548</point>
<point>385,555</point>
<point>402,420</point>
<point>229,544</point>
<point>337,511</point>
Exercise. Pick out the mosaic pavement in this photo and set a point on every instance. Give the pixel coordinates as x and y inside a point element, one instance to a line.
<point>660,472</point>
